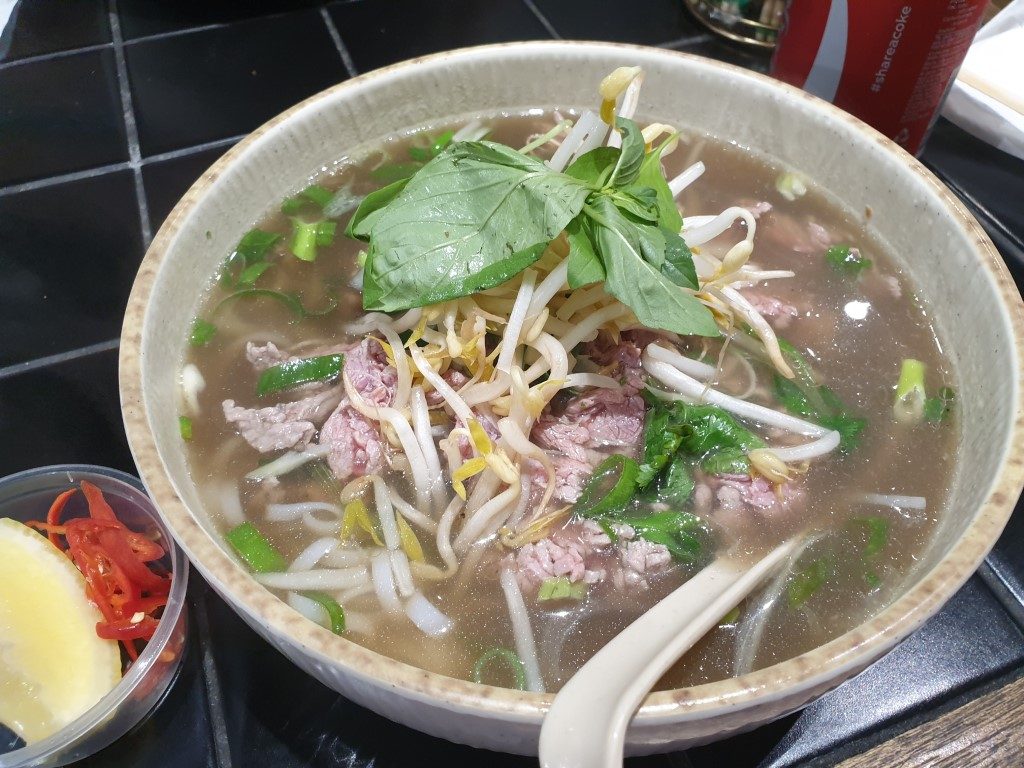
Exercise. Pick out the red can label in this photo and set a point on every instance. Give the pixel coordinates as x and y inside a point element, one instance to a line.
<point>888,63</point>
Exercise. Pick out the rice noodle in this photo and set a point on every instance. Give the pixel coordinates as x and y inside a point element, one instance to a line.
<point>450,396</point>
<point>384,582</point>
<point>322,579</point>
<point>403,576</point>
<point>823,445</point>
<point>895,501</point>
<point>695,233</point>
<point>514,327</point>
<point>192,383</point>
<point>281,513</point>
<point>424,436</point>
<point>345,557</point>
<point>314,553</point>
<point>686,178</point>
<point>694,390</point>
<point>290,461</point>
<point>427,618</point>
<point>756,615</point>
<point>230,504</point>
<point>476,524</point>
<point>311,609</point>
<point>521,630</point>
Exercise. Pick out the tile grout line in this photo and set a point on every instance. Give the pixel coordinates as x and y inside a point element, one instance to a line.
<point>332,30</point>
<point>174,154</point>
<point>50,181</point>
<point>130,126</point>
<point>39,57</point>
<point>542,19</point>
<point>211,681</point>
<point>61,357</point>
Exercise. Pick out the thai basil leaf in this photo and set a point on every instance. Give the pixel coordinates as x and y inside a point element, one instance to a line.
<point>652,177</point>
<point>202,332</point>
<point>631,154</point>
<point>821,405</point>
<point>362,220</point>
<point>706,430</point>
<point>595,167</point>
<point>252,273</point>
<point>732,461</point>
<point>392,172</point>
<point>683,534</point>
<point>674,486</point>
<point>660,443</point>
<point>937,408</point>
<point>471,219</point>
<point>655,300</point>
<point>678,264</point>
<point>640,202</point>
<point>584,265</point>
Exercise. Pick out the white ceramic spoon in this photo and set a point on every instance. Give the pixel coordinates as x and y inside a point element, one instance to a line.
<point>586,725</point>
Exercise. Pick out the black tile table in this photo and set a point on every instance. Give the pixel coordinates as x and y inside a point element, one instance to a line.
<point>110,110</point>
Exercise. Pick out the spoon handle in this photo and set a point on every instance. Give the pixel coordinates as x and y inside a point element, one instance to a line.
<point>586,725</point>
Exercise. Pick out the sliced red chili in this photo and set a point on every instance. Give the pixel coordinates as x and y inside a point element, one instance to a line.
<point>99,509</point>
<point>125,629</point>
<point>53,516</point>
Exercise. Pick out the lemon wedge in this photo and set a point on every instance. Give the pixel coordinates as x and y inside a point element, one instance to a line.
<point>53,667</point>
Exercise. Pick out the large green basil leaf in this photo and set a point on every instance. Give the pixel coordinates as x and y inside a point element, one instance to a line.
<point>651,176</point>
<point>365,214</point>
<point>623,246</point>
<point>595,166</point>
<point>631,154</point>
<point>471,219</point>
<point>584,265</point>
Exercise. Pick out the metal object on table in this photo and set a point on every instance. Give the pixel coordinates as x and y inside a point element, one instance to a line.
<point>754,22</point>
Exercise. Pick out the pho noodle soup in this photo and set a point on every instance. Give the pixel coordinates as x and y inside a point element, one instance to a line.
<point>478,397</point>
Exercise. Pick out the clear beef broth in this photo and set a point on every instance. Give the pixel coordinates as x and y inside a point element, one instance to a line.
<point>855,332</point>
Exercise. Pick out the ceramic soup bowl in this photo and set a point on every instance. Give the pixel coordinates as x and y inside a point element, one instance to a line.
<point>955,267</point>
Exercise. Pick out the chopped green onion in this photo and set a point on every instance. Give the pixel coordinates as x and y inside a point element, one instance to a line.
<point>730,618</point>
<point>509,658</point>
<point>791,186</point>
<point>610,488</point>
<point>937,408</point>
<point>307,235</point>
<point>290,300</point>
<point>315,194</point>
<point>908,408</point>
<point>808,581</point>
<point>252,273</point>
<point>389,174</point>
<point>426,154</point>
<point>335,612</point>
<point>325,232</point>
<point>847,260</point>
<point>254,548</point>
<point>202,332</point>
<point>185,427</point>
<point>560,588</point>
<point>254,245</point>
<point>873,580</point>
<point>294,372</point>
<point>878,535</point>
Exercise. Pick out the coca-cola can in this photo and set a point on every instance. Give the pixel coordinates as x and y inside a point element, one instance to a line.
<point>889,62</point>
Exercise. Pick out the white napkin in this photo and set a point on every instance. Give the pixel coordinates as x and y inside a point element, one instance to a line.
<point>987,98</point>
